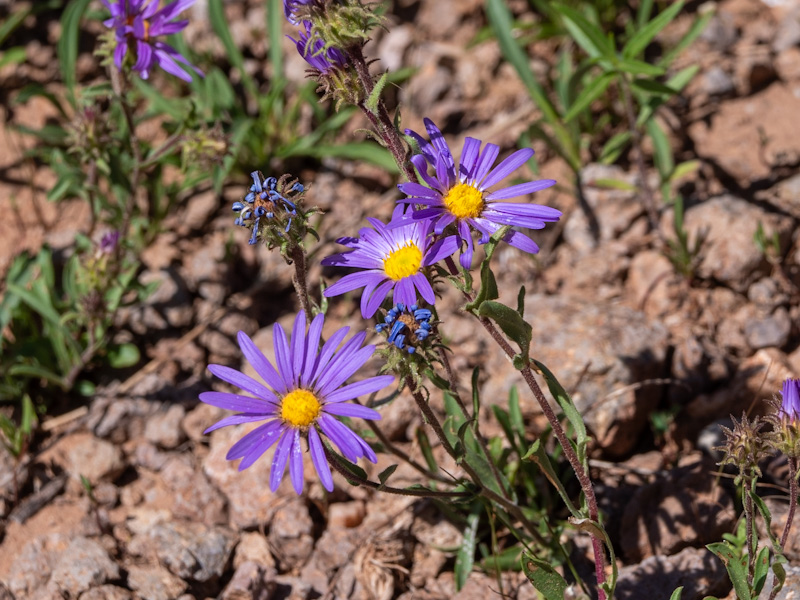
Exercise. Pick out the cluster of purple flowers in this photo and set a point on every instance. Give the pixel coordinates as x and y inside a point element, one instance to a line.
<point>395,256</point>
<point>137,24</point>
<point>311,48</point>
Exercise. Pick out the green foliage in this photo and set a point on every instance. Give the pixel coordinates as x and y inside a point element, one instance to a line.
<point>547,581</point>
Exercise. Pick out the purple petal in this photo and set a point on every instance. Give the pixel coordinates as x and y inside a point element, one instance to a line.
<point>404,292</point>
<point>376,299</point>
<point>466,256</point>
<point>298,347</point>
<point>296,463</point>
<point>312,346</point>
<point>353,281</point>
<point>424,287</point>
<point>171,11</point>
<point>340,435</point>
<point>280,458</point>
<point>360,388</point>
<point>343,370</point>
<point>260,363</point>
<point>319,459</point>
<point>522,189</point>
<point>441,249</point>
<point>119,54</point>
<point>234,420</point>
<point>422,168</point>
<point>242,381</point>
<point>521,241</point>
<point>416,190</point>
<point>244,404</point>
<point>508,166</point>
<point>328,348</point>
<point>357,411</point>
<point>144,57</point>
<point>267,431</point>
<point>282,354</point>
<point>545,213</point>
<point>166,60</point>
<point>469,158</point>
<point>485,162</point>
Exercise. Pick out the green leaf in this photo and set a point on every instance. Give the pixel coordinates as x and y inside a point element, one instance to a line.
<point>357,151</point>
<point>567,405</point>
<point>661,149</point>
<point>544,578</point>
<point>15,55</point>
<point>514,326</point>
<point>37,371</point>
<point>465,559</point>
<point>687,167</point>
<point>637,44</point>
<point>28,415</point>
<point>537,454</point>
<point>375,95</point>
<point>67,45</point>
<point>13,21</point>
<point>476,394</point>
<point>521,301</point>
<point>614,147</point>
<point>676,595</point>
<point>761,570</point>
<point>736,566</point>
<point>590,93</point>
<point>638,67</point>
<point>216,15</point>
<point>275,19</point>
<point>585,33</point>
<point>384,475</point>
<point>426,449</point>
<point>43,307</point>
<point>488,289</point>
<point>123,356</point>
<point>515,413</point>
<point>695,30</point>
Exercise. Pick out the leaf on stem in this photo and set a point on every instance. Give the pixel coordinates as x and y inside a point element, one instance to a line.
<point>547,581</point>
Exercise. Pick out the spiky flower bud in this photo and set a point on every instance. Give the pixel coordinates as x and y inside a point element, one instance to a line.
<point>745,446</point>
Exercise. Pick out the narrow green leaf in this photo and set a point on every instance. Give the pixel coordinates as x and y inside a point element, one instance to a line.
<point>637,44</point>
<point>638,67</point>
<point>426,449</point>
<point>685,168</point>
<point>585,33</point>
<point>37,371</point>
<point>515,413</point>
<point>614,147</point>
<point>590,93</point>
<point>505,423</point>
<point>28,415</point>
<point>216,15</point>
<point>514,326</point>
<point>465,559</point>
<point>275,18</point>
<point>537,454</point>
<point>476,394</point>
<point>384,475</point>
<point>375,96</point>
<point>44,308</point>
<point>565,402</point>
<point>13,21</point>
<point>13,56</point>
<point>661,149</point>
<point>695,30</point>
<point>67,45</point>
<point>521,301</point>
<point>761,570</point>
<point>547,581</point>
<point>357,151</point>
<point>676,595</point>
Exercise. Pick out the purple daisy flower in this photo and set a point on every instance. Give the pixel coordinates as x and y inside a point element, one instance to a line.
<point>314,53</point>
<point>462,198</point>
<point>137,23</point>
<point>790,405</point>
<point>394,257</point>
<point>108,243</point>
<point>304,397</point>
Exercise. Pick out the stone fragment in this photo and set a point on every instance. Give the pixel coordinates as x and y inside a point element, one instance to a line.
<point>164,428</point>
<point>290,534</point>
<point>84,564</point>
<point>33,565</point>
<point>721,32</point>
<point>653,283</point>
<point>725,221</point>
<point>346,514</point>
<point>253,547</point>
<point>200,418</point>
<point>769,330</point>
<point>717,82</point>
<point>5,593</point>
<point>684,508</point>
<point>106,592</point>
<point>82,454</point>
<point>251,581</point>
<point>192,551</point>
<point>154,583</point>
<point>193,496</point>
<point>696,569</point>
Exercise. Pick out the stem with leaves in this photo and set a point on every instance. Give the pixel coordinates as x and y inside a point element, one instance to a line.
<point>792,500</point>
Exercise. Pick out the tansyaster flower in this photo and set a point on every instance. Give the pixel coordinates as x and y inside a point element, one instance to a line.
<point>462,196</point>
<point>302,399</point>
<point>393,258</point>
<point>790,405</point>
<point>263,200</point>
<point>108,243</point>
<point>407,328</point>
<point>314,53</point>
<point>137,23</point>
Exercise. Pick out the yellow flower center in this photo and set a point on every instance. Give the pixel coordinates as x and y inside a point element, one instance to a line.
<point>403,262</point>
<point>300,408</point>
<point>464,201</point>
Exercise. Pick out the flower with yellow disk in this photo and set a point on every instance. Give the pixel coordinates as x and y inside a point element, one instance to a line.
<point>302,399</point>
<point>462,197</point>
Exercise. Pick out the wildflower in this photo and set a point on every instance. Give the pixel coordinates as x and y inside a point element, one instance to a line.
<point>304,397</point>
<point>462,198</point>
<point>137,23</point>
<point>407,328</point>
<point>265,197</point>
<point>790,406</point>
<point>314,52</point>
<point>108,242</point>
<point>393,258</point>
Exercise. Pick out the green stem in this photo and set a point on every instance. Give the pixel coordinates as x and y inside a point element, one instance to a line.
<point>792,500</point>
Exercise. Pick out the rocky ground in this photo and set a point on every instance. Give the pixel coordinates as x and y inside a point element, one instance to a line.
<point>171,518</point>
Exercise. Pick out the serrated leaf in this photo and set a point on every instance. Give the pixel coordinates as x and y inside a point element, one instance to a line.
<point>644,35</point>
<point>465,558</point>
<point>547,581</point>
